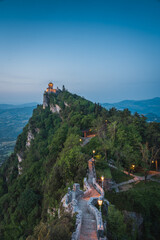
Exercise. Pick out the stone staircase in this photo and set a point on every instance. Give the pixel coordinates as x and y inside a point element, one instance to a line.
<point>88,227</point>
<point>89,224</point>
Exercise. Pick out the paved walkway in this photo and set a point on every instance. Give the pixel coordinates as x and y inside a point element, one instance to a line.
<point>86,140</point>
<point>135,178</point>
<point>88,228</point>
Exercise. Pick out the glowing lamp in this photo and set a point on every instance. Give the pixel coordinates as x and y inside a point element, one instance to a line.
<point>100,201</point>
<point>102,178</point>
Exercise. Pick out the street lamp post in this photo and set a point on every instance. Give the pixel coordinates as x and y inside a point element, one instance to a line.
<point>156,165</point>
<point>100,201</point>
<point>102,178</point>
<point>93,152</point>
<point>132,168</point>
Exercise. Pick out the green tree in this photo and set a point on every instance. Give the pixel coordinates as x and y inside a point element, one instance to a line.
<point>115,224</point>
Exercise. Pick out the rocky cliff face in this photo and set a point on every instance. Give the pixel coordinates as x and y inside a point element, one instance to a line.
<point>20,159</point>
<point>30,137</point>
<point>48,95</point>
<point>55,109</point>
<point>20,154</point>
<point>45,101</point>
<point>66,104</point>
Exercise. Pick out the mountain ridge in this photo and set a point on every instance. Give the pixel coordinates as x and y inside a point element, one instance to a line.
<point>149,107</point>
<point>12,106</point>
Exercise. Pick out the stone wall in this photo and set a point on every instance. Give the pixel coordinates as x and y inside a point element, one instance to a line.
<point>98,188</point>
<point>70,203</point>
<point>76,234</point>
<point>93,209</point>
<point>98,216</point>
<point>86,187</point>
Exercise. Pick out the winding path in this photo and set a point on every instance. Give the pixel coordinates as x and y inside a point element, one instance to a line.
<point>135,178</point>
<point>88,228</point>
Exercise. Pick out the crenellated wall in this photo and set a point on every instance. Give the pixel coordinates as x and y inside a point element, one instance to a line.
<point>69,201</point>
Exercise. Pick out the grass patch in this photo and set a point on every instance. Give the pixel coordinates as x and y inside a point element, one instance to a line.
<point>137,198</point>
<point>119,176</point>
<point>157,177</point>
<point>102,169</point>
<point>104,172</point>
<point>140,174</point>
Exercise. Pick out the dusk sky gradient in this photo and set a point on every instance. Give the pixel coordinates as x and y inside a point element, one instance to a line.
<point>104,50</point>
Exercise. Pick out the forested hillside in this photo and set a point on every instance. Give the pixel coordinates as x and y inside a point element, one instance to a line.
<point>48,158</point>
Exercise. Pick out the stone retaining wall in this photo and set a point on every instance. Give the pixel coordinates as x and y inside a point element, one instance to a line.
<point>70,203</point>
<point>76,234</point>
<point>86,186</point>
<point>98,188</point>
<point>98,216</point>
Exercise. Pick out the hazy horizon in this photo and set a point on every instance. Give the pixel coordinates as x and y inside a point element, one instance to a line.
<point>103,50</point>
<point>33,102</point>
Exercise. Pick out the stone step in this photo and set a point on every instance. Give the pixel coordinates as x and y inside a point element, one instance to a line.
<point>88,227</point>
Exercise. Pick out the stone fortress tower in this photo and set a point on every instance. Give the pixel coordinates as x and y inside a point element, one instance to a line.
<point>49,90</point>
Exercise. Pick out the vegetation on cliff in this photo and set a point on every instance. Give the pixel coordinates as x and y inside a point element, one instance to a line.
<point>55,159</point>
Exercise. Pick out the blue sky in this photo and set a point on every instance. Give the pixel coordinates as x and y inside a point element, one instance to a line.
<point>104,50</point>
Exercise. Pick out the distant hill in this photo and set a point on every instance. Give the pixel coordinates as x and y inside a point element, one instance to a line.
<point>149,108</point>
<point>11,106</point>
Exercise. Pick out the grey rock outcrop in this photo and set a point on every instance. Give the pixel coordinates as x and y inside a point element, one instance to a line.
<point>20,160</point>
<point>45,101</point>
<point>55,108</point>
<point>30,137</point>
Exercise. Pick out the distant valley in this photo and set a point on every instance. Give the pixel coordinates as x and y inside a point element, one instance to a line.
<point>150,108</point>
<point>12,120</point>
